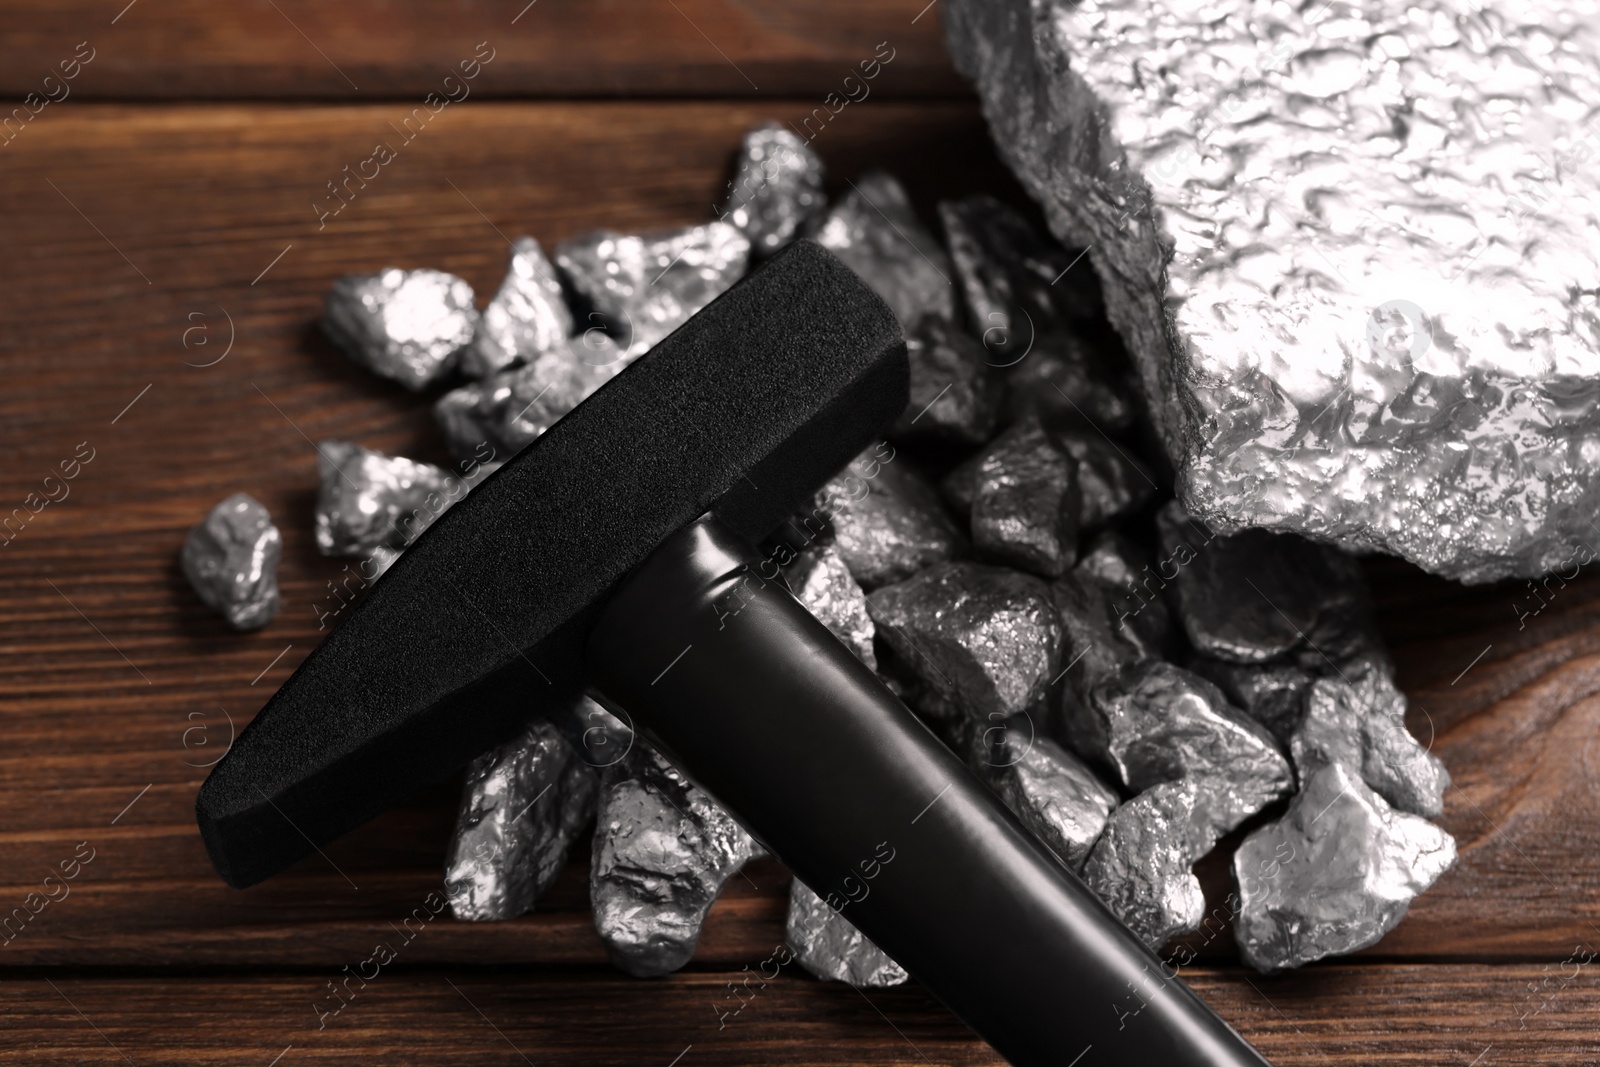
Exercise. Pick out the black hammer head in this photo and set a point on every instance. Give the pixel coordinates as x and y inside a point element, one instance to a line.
<point>746,410</point>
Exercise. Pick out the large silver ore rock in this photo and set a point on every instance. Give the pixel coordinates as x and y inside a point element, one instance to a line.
<point>231,560</point>
<point>874,230</point>
<point>645,286</point>
<point>829,946</point>
<point>527,317</point>
<point>407,325</point>
<point>1334,874</point>
<point>977,640</point>
<point>1350,247</point>
<point>522,805</point>
<point>776,188</point>
<point>662,851</point>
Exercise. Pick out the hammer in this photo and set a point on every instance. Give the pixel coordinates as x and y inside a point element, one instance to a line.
<point>616,555</point>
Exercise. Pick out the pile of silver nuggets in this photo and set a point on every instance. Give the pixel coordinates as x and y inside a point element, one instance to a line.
<point>1011,562</point>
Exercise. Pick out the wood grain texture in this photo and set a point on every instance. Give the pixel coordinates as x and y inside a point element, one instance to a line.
<point>371,49</point>
<point>1424,1016</point>
<point>137,233</point>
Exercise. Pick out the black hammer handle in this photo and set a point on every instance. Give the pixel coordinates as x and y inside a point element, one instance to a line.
<point>720,667</point>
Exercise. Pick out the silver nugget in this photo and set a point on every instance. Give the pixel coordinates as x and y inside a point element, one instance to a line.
<point>1334,875</point>
<point>1158,723</point>
<point>1349,247</point>
<point>521,808</point>
<point>776,188</point>
<point>1111,483</point>
<point>407,325</point>
<point>369,501</point>
<point>877,234</point>
<point>1122,569</point>
<point>1096,644</point>
<point>1053,792</point>
<point>662,851</point>
<point>830,947</point>
<point>645,286</point>
<point>502,414</point>
<point>1361,724</point>
<point>1023,290</point>
<point>1025,502</point>
<point>1273,694</point>
<point>887,521</point>
<point>526,318</point>
<point>954,395</point>
<point>979,640</point>
<point>1141,866</point>
<point>822,582</point>
<point>231,560</point>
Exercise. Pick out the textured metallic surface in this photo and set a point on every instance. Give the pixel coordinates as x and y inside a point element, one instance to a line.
<point>1111,483</point>
<point>1257,596</point>
<point>979,640</point>
<point>1065,384</point>
<point>1157,723</point>
<point>1141,865</point>
<point>776,188</point>
<point>829,947</point>
<point>1273,694</point>
<point>645,286</point>
<point>955,396</point>
<point>887,521</point>
<point>1053,792</point>
<point>1025,502</point>
<point>662,851</point>
<point>1334,875</point>
<point>231,560</point>
<point>1113,559</point>
<point>1361,724</point>
<point>1095,645</point>
<point>1021,291</point>
<point>821,581</point>
<point>407,325</point>
<point>1351,248</point>
<point>503,413</point>
<point>369,500</point>
<point>527,317</point>
<point>523,804</point>
<point>1123,568</point>
<point>874,230</point>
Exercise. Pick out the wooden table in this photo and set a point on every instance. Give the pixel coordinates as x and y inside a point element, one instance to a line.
<point>163,264</point>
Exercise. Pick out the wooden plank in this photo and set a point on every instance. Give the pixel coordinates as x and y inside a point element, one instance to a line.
<point>367,50</point>
<point>141,229</point>
<point>1419,1015</point>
